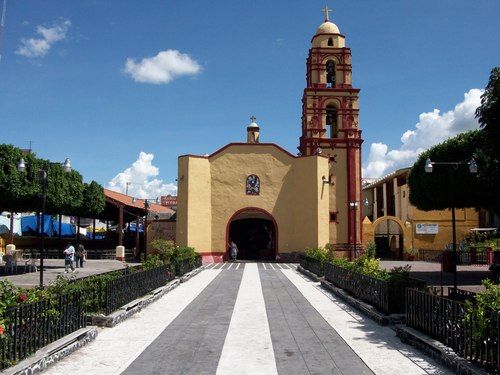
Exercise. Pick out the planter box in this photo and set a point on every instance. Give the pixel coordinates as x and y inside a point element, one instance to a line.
<point>313,265</point>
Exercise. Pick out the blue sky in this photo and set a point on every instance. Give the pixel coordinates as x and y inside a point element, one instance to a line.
<point>75,98</point>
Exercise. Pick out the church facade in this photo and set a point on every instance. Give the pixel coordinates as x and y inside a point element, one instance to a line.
<point>273,204</point>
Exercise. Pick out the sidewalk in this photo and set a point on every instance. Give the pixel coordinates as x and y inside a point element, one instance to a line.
<point>469,277</point>
<point>55,267</point>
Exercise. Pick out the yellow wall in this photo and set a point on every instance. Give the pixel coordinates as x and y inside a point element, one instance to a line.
<point>292,191</point>
<point>410,216</point>
<point>193,208</point>
<point>466,219</point>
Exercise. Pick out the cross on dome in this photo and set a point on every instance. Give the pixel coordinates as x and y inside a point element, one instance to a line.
<point>253,118</point>
<point>326,11</point>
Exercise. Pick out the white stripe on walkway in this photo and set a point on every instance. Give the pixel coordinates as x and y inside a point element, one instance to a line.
<point>376,345</point>
<point>230,266</point>
<point>238,266</point>
<point>116,348</point>
<point>271,266</point>
<point>264,265</point>
<point>248,348</point>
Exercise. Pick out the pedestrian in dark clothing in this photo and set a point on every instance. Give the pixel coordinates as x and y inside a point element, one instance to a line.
<point>80,255</point>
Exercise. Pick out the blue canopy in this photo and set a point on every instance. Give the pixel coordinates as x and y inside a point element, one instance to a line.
<point>133,226</point>
<point>67,230</point>
<point>29,225</point>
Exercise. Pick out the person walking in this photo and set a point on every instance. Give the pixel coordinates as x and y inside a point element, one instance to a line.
<point>81,253</point>
<point>69,256</point>
<point>234,250</point>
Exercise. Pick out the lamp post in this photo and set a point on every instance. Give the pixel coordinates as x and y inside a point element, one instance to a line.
<point>43,173</point>
<point>146,208</point>
<point>353,205</point>
<point>453,165</point>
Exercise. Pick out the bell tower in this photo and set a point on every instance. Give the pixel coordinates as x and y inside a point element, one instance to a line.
<point>330,127</point>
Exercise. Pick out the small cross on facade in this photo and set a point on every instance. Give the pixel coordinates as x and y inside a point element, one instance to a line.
<point>253,118</point>
<point>326,11</point>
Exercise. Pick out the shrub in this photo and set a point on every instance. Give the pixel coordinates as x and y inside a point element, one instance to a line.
<point>481,309</point>
<point>371,267</point>
<point>152,261</point>
<point>371,249</point>
<point>182,253</point>
<point>165,249</point>
<point>318,253</point>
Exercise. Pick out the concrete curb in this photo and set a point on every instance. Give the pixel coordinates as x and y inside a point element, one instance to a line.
<point>53,352</point>
<point>192,273</point>
<point>438,351</point>
<point>137,305</point>
<point>309,274</point>
<point>364,307</point>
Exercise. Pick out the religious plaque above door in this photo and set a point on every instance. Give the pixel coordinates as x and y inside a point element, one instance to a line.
<point>253,185</point>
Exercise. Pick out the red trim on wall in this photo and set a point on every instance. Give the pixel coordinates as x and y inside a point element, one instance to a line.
<point>276,229</point>
<point>212,257</point>
<point>360,198</point>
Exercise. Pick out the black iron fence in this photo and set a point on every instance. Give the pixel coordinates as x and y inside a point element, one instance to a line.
<point>430,255</point>
<point>386,295</point>
<point>461,295</point>
<point>29,327</point>
<point>446,320</point>
<point>313,265</point>
<point>126,288</point>
<point>473,255</point>
<point>183,266</point>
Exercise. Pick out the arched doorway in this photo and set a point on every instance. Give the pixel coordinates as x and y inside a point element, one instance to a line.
<point>255,232</point>
<point>389,238</point>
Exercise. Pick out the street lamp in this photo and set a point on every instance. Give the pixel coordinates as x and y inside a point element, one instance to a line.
<point>146,208</point>
<point>429,167</point>
<point>43,174</point>
<point>353,205</point>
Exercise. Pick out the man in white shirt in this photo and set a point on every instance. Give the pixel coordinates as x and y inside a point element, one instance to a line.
<point>69,257</point>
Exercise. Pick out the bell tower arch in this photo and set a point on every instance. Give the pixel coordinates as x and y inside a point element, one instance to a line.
<point>330,126</point>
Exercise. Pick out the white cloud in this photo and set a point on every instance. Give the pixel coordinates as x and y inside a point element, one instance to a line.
<point>162,68</point>
<point>142,175</point>
<point>431,129</point>
<point>38,47</point>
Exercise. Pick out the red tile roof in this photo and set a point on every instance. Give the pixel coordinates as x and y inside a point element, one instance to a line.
<point>127,200</point>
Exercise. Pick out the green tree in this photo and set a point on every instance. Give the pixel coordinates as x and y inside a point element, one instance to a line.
<point>66,193</point>
<point>18,191</point>
<point>488,113</point>
<point>432,191</point>
<point>64,190</point>
<point>93,200</point>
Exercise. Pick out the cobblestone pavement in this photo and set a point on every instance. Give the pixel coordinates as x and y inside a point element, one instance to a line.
<point>469,277</point>
<point>55,267</point>
<point>247,318</point>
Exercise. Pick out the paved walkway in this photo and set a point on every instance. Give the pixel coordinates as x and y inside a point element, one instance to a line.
<point>247,318</point>
<point>55,267</point>
<point>468,277</point>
